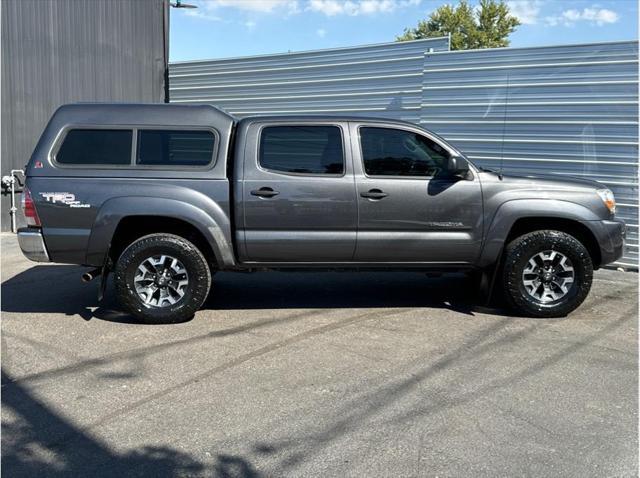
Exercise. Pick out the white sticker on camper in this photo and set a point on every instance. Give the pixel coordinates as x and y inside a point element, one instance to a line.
<point>63,198</point>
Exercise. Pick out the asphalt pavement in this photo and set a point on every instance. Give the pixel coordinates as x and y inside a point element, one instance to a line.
<point>315,374</point>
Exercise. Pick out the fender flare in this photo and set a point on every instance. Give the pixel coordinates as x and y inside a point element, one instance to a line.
<point>215,230</point>
<point>510,211</point>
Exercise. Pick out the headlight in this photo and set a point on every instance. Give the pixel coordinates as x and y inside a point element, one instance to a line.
<point>608,199</point>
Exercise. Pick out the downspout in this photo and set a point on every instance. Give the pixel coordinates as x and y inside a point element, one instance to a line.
<point>10,182</point>
<point>165,35</point>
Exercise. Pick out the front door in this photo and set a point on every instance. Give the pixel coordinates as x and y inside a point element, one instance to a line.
<point>299,195</point>
<point>410,210</point>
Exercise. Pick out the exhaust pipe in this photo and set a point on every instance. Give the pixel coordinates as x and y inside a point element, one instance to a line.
<point>90,275</point>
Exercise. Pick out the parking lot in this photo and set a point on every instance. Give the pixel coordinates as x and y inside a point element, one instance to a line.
<point>315,374</point>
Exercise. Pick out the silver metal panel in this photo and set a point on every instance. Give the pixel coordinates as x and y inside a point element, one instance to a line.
<point>565,110</point>
<point>568,110</point>
<point>381,80</point>
<point>65,51</point>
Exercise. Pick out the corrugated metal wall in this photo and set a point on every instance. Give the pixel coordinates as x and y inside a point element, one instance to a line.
<point>569,110</point>
<point>62,51</point>
<point>381,80</point>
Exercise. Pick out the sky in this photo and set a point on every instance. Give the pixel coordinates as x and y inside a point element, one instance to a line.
<point>231,28</point>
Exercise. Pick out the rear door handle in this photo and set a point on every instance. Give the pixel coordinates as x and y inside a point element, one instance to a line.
<point>374,194</point>
<point>264,192</point>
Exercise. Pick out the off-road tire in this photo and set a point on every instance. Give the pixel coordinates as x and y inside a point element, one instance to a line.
<point>517,255</point>
<point>195,292</point>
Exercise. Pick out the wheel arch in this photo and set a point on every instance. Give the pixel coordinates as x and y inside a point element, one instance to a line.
<point>127,218</point>
<point>572,227</point>
<point>131,228</point>
<point>517,217</point>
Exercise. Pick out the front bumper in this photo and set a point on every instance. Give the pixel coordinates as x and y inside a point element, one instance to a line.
<point>610,235</point>
<point>32,245</point>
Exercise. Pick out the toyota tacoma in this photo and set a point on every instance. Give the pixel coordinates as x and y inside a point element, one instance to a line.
<point>164,196</point>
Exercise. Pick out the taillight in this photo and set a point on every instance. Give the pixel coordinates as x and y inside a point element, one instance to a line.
<point>29,208</point>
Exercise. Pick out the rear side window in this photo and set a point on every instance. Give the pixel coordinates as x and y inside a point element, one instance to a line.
<point>175,147</point>
<point>302,149</point>
<point>96,146</point>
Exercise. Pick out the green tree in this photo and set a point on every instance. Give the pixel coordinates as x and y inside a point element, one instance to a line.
<point>487,26</point>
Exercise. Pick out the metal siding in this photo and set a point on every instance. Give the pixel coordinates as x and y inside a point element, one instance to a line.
<point>572,109</point>
<point>63,51</point>
<point>569,110</point>
<point>381,80</point>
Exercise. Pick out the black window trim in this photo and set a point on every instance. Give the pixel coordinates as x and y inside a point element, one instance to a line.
<point>134,128</point>
<point>302,123</point>
<point>420,132</point>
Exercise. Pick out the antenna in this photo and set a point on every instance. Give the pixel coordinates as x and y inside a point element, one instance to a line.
<point>504,128</point>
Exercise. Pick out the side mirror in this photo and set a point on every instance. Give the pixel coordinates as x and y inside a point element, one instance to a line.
<point>458,167</point>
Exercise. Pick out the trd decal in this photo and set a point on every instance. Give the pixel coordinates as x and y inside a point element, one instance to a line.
<point>63,198</point>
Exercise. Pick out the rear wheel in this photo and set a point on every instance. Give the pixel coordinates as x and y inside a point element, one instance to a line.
<point>162,278</point>
<point>546,273</point>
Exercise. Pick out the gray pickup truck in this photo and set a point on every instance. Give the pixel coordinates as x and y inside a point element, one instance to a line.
<point>163,196</point>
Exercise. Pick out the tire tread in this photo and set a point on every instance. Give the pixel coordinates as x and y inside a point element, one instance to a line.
<point>128,298</point>
<point>522,248</point>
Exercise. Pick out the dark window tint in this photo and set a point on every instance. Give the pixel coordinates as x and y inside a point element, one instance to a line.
<point>175,148</point>
<point>96,146</point>
<point>302,149</point>
<point>393,152</point>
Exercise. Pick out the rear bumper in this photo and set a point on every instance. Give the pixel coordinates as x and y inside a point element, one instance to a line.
<point>611,239</point>
<point>32,245</point>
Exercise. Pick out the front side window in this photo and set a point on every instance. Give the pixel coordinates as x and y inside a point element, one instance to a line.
<point>302,149</point>
<point>395,152</point>
<point>175,147</point>
<point>96,147</point>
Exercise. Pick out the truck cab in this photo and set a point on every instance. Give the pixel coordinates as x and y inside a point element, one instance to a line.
<point>352,191</point>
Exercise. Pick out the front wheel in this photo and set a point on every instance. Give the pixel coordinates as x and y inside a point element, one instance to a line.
<point>547,273</point>
<point>161,279</point>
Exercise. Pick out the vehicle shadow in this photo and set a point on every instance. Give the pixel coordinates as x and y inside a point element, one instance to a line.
<point>58,289</point>
<point>296,290</point>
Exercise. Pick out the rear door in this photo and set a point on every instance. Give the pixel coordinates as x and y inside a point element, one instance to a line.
<point>298,194</point>
<point>408,210</point>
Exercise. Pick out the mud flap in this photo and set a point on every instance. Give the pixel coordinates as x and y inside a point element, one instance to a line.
<point>489,278</point>
<point>106,268</point>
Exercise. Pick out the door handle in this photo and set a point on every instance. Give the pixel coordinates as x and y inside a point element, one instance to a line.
<point>374,194</point>
<point>264,192</point>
